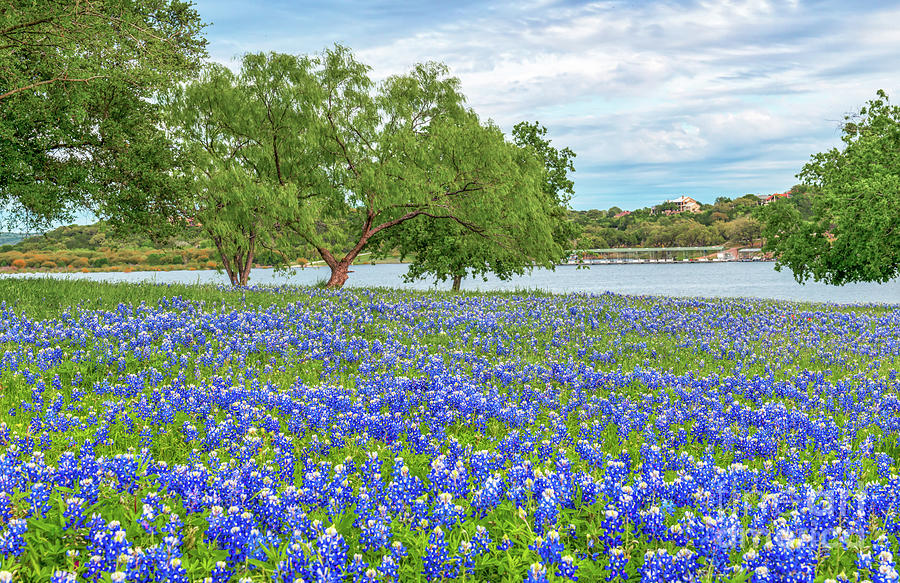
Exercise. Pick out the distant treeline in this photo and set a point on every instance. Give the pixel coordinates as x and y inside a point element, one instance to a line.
<point>725,222</point>
<point>97,247</point>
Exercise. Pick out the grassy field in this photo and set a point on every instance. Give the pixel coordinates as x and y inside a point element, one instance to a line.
<point>195,433</point>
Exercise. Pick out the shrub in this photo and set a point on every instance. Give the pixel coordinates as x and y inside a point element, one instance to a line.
<point>79,263</point>
<point>19,263</point>
<point>8,257</point>
<point>48,265</point>
<point>127,257</point>
<point>100,261</point>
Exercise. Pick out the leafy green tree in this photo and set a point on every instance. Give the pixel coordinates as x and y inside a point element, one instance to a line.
<point>854,231</point>
<point>409,150</point>
<point>743,230</point>
<point>249,145</point>
<point>666,207</point>
<point>78,124</point>
<point>309,152</point>
<point>511,238</point>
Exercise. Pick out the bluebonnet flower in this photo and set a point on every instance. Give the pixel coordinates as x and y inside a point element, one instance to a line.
<point>12,538</point>
<point>481,541</point>
<point>536,573</point>
<point>617,562</point>
<point>567,568</point>
<point>332,552</point>
<point>549,548</point>
<point>63,577</point>
<point>74,513</point>
<point>436,564</point>
<point>375,534</point>
<point>389,568</point>
<point>39,499</point>
<point>446,513</point>
<point>547,510</point>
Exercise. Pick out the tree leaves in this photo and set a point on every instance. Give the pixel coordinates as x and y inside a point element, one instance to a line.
<point>854,234</point>
<point>77,81</point>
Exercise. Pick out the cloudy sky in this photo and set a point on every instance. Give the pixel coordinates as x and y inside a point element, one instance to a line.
<point>657,99</point>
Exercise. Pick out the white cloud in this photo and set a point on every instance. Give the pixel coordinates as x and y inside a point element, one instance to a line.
<point>719,95</point>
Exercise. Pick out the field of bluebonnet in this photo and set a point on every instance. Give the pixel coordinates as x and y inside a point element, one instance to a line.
<point>153,433</point>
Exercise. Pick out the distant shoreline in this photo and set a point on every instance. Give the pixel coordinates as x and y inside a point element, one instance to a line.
<point>163,268</point>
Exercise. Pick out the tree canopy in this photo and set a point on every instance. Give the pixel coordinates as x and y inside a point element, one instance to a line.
<point>319,155</point>
<point>854,231</point>
<point>77,79</point>
<point>248,145</point>
<point>509,243</point>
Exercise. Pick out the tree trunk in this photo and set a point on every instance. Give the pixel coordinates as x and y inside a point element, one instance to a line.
<point>245,271</point>
<point>340,270</point>
<point>457,281</point>
<point>339,273</point>
<point>238,266</point>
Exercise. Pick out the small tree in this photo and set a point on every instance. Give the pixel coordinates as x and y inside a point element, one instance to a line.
<point>512,237</point>
<point>247,142</point>
<point>854,231</point>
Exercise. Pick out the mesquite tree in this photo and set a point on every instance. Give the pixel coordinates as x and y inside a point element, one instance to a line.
<point>409,150</point>
<point>337,162</point>
<point>247,141</point>
<point>511,242</point>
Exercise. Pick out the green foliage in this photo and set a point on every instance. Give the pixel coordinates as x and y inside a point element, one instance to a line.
<point>666,207</point>
<point>558,187</point>
<point>101,236</point>
<point>303,154</point>
<point>79,124</point>
<point>854,231</point>
<point>509,239</point>
<point>408,150</point>
<point>727,222</point>
<point>249,143</point>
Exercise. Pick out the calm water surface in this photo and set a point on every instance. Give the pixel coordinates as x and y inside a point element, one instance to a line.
<point>754,280</point>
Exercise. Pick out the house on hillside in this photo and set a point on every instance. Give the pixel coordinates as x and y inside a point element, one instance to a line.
<point>621,214</point>
<point>686,204</point>
<point>764,200</point>
<point>682,204</point>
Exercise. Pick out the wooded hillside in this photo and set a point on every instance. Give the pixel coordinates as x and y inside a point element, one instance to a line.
<point>725,222</point>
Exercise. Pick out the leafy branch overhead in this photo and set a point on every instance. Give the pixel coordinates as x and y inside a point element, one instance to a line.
<point>79,123</point>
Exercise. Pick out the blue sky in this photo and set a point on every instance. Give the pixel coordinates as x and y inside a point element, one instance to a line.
<point>657,99</point>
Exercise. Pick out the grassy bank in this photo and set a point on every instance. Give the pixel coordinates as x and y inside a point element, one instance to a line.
<point>183,432</point>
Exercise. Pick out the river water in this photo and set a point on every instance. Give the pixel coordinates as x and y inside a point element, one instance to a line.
<point>734,279</point>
